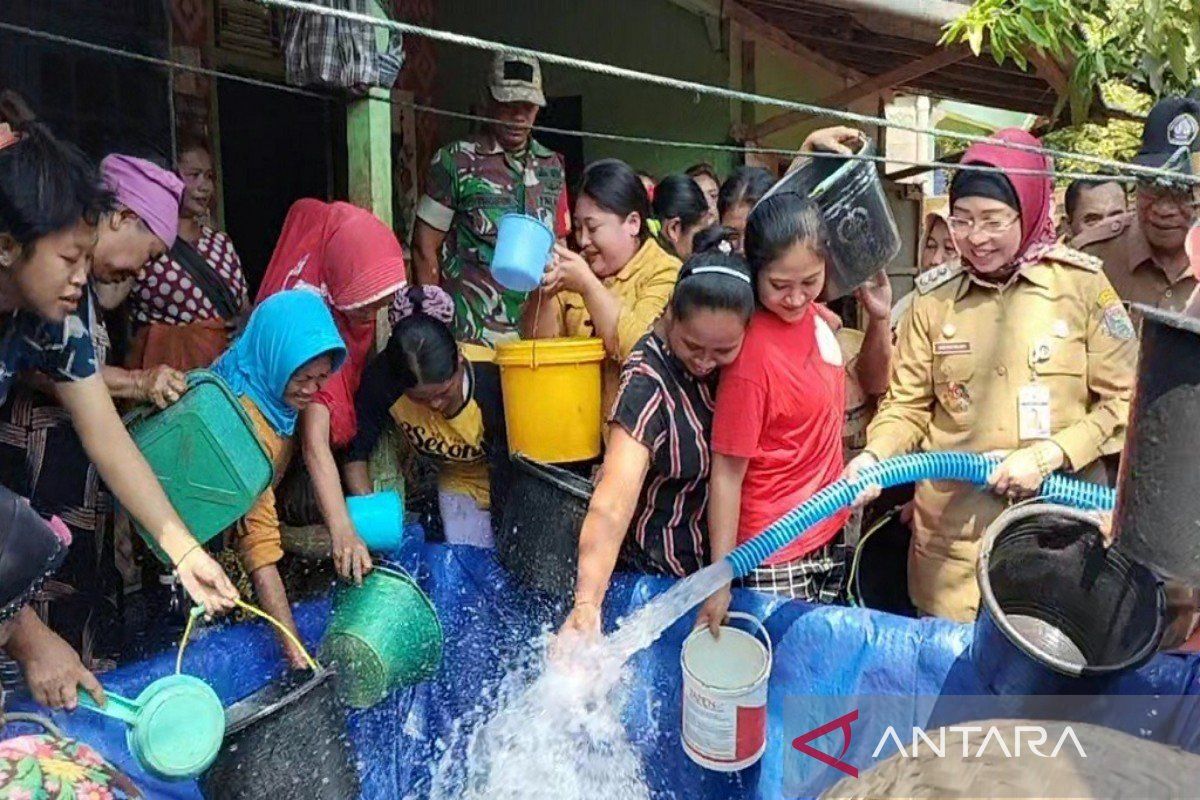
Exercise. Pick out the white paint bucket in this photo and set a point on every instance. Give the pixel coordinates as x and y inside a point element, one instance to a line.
<point>725,695</point>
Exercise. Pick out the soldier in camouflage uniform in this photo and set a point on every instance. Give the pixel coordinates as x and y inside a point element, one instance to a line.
<point>470,185</point>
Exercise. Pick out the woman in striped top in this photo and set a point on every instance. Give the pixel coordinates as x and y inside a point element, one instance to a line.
<point>649,509</point>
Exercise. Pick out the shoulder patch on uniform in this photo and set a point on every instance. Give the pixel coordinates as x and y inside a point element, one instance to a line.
<point>1115,318</point>
<point>1074,258</point>
<point>1102,232</point>
<point>931,279</point>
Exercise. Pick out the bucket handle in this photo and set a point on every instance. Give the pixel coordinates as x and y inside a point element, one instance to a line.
<point>116,706</point>
<point>759,628</point>
<point>198,611</point>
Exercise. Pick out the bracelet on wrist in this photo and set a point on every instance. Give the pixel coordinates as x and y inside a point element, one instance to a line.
<point>183,557</point>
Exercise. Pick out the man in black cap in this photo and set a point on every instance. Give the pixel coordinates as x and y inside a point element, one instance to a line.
<point>1143,251</point>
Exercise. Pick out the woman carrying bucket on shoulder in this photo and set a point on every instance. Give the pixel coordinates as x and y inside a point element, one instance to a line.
<point>355,263</point>
<point>618,286</point>
<point>1022,350</point>
<point>777,427</point>
<point>445,399</point>
<point>648,511</point>
<point>680,212</point>
<point>287,352</point>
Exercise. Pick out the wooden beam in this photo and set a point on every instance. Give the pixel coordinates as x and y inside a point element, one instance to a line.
<point>1048,70</point>
<point>760,27</point>
<point>900,75</point>
<point>909,172</point>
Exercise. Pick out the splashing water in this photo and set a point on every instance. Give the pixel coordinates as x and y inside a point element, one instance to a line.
<point>556,731</point>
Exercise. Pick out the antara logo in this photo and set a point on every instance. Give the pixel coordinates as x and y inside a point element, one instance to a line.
<point>1011,742</point>
<point>842,723</point>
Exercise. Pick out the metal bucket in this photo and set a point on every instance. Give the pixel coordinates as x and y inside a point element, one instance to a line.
<point>1158,507</point>
<point>725,695</point>
<point>1060,613</point>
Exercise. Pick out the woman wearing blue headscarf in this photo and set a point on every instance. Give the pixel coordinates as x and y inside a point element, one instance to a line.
<point>288,350</point>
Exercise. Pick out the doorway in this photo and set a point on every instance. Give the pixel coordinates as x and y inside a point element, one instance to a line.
<point>276,147</point>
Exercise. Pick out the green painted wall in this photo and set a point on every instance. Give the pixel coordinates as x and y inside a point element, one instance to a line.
<point>651,35</point>
<point>780,73</point>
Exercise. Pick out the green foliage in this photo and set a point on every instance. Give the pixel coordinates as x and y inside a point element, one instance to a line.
<point>1151,45</point>
<point>1118,140</point>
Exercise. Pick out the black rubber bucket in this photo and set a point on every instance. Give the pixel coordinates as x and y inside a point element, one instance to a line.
<point>879,570</point>
<point>863,237</point>
<point>1157,518</point>
<point>1060,613</point>
<point>285,740</point>
<point>538,538</point>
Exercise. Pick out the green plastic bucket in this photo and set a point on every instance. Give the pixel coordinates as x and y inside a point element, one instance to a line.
<point>206,455</point>
<point>383,635</point>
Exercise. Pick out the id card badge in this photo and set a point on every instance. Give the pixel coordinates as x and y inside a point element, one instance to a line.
<point>1033,409</point>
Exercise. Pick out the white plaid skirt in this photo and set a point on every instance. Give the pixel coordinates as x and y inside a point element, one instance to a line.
<point>819,577</point>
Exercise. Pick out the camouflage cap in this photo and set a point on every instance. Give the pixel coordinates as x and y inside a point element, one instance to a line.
<point>516,79</point>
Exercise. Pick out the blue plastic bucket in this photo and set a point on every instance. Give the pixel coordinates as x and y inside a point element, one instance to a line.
<point>379,520</point>
<point>522,249</point>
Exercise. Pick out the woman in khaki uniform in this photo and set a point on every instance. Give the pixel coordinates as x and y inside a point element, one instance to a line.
<point>1023,351</point>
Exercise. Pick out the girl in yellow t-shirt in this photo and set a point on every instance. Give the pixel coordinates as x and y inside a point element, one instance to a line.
<point>444,398</point>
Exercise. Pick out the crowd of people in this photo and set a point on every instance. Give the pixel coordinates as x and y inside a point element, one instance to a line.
<point>731,392</point>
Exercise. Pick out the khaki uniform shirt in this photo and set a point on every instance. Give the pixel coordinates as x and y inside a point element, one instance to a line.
<point>965,355</point>
<point>644,287</point>
<point>1130,266</point>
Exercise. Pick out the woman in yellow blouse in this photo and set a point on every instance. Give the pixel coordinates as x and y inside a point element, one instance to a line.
<point>286,353</point>
<point>620,282</point>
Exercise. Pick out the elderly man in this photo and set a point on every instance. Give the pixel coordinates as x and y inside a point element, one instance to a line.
<point>1144,251</point>
<point>471,184</point>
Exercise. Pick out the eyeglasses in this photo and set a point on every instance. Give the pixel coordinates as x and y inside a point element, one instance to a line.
<point>1157,193</point>
<point>989,226</point>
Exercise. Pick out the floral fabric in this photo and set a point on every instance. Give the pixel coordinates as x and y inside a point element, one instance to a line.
<point>45,767</point>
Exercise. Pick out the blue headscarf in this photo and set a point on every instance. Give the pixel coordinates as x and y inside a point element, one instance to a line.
<point>285,332</point>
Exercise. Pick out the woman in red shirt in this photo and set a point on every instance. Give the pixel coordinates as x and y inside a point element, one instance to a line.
<point>777,428</point>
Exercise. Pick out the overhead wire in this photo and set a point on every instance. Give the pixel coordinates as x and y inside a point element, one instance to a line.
<point>598,135</point>
<point>708,89</point>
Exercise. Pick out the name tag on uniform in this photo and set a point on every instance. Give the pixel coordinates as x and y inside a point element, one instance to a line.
<point>951,348</point>
<point>1033,412</point>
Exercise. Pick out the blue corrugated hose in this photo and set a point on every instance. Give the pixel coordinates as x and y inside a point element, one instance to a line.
<point>964,467</point>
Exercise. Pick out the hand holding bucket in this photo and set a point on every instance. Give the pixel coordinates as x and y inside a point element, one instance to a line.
<point>379,520</point>
<point>177,723</point>
<point>522,248</point>
<point>725,695</point>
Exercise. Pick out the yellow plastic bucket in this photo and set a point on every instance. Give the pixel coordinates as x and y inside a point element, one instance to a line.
<point>552,397</point>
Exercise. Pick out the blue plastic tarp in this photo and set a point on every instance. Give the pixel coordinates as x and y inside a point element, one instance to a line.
<point>489,621</point>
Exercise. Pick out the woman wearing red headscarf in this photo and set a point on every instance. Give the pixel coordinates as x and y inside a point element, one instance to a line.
<point>354,261</point>
<point>1023,350</point>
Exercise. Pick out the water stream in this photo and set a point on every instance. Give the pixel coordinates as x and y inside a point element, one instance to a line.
<point>555,728</point>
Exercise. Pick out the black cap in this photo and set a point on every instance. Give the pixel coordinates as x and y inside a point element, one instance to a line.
<point>1172,124</point>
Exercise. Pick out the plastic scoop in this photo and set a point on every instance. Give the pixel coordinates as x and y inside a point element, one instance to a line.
<point>176,725</point>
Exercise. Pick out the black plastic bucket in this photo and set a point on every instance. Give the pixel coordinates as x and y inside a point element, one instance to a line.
<point>285,740</point>
<point>538,538</point>
<point>879,570</point>
<point>1157,518</point>
<point>863,237</point>
<point>1060,612</point>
